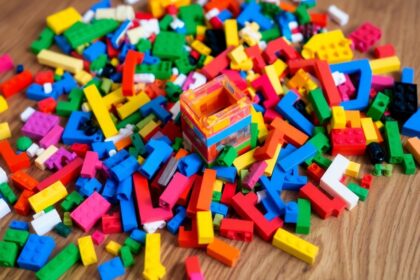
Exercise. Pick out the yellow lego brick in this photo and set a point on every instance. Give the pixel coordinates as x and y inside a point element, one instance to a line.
<point>58,60</point>
<point>140,159</point>
<point>258,118</point>
<point>271,73</point>
<point>42,158</point>
<point>379,124</point>
<point>82,77</point>
<point>132,105</point>
<point>353,169</point>
<point>369,130</point>
<point>218,186</point>
<point>385,65</point>
<point>331,46</point>
<point>63,19</point>
<point>295,246</point>
<point>200,47</point>
<point>238,54</point>
<point>338,120</point>
<point>231,33</point>
<point>244,161</point>
<point>113,247</point>
<point>272,162</point>
<point>354,118</point>
<point>153,268</point>
<point>205,229</point>
<point>113,98</point>
<point>87,250</point>
<point>148,128</point>
<point>157,7</point>
<point>5,131</point>
<point>114,62</point>
<point>48,196</point>
<point>59,71</point>
<point>100,111</point>
<point>279,66</point>
<point>3,104</point>
<point>201,30</point>
<point>208,59</point>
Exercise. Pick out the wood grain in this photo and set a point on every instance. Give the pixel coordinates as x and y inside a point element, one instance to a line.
<point>379,239</point>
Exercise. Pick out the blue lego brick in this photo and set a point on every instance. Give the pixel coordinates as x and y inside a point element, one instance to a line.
<point>149,59</point>
<point>138,235</point>
<point>273,194</point>
<point>308,150</point>
<point>190,164</point>
<point>225,173</point>
<point>87,187</point>
<point>116,159</point>
<point>36,251</point>
<point>224,15</point>
<point>258,108</point>
<point>101,4</point>
<point>36,92</point>
<point>155,106</point>
<point>103,148</point>
<point>407,75</point>
<point>118,35</point>
<point>128,214</point>
<point>72,134</point>
<point>124,169</point>
<point>19,225</point>
<point>125,188</point>
<point>159,152</point>
<point>159,136</point>
<point>218,208</point>
<point>411,127</point>
<point>65,85</point>
<point>271,210</point>
<point>294,182</point>
<point>285,151</point>
<point>362,68</point>
<point>291,213</point>
<point>228,131</point>
<point>110,190</point>
<point>177,220</point>
<point>252,13</point>
<point>124,50</point>
<point>111,269</point>
<point>63,44</point>
<point>288,111</point>
<point>94,51</point>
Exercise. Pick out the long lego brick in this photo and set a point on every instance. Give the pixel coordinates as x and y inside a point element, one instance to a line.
<point>244,206</point>
<point>192,268</point>
<point>23,180</point>
<point>280,46</point>
<point>132,105</point>
<point>323,73</point>
<point>65,175</point>
<point>237,229</point>
<point>219,63</point>
<point>90,211</point>
<point>14,161</point>
<point>174,189</point>
<point>291,134</point>
<point>58,60</point>
<point>147,212</point>
<point>101,113</point>
<point>128,214</point>
<point>153,268</point>
<point>267,151</point>
<point>206,190</point>
<point>303,223</point>
<point>192,204</point>
<point>48,196</point>
<point>132,59</point>
<point>393,138</point>
<point>229,191</point>
<point>295,246</point>
<point>223,252</point>
<point>204,227</point>
<point>321,203</point>
<point>22,206</point>
<point>307,151</point>
<point>16,84</point>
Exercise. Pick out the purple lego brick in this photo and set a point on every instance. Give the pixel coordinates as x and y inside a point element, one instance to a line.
<point>39,124</point>
<point>60,159</point>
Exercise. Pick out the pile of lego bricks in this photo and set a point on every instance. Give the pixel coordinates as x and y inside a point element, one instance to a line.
<point>196,118</point>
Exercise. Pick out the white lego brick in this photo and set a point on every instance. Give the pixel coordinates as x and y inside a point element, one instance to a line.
<point>124,12</point>
<point>261,195</point>
<point>4,208</point>
<point>337,168</point>
<point>26,114</point>
<point>180,80</point>
<point>134,35</point>
<point>212,13</point>
<point>339,78</point>
<point>86,107</point>
<point>105,13</point>
<point>297,37</point>
<point>262,45</point>
<point>202,2</point>
<point>199,80</point>
<point>123,133</point>
<point>46,222</point>
<point>337,15</point>
<point>146,78</point>
<point>293,25</point>
<point>47,88</point>
<point>31,151</point>
<point>154,226</point>
<point>150,25</point>
<point>336,188</point>
<point>3,176</point>
<point>176,23</point>
<point>176,108</point>
<point>131,2</point>
<point>88,16</point>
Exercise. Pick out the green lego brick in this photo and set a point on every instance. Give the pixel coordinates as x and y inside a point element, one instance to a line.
<point>192,15</point>
<point>393,138</point>
<point>183,64</point>
<point>138,143</point>
<point>8,254</point>
<point>81,33</point>
<point>409,164</point>
<point>201,61</point>
<point>362,193</point>
<point>8,193</point>
<point>133,245</point>
<point>270,34</point>
<point>322,161</point>
<point>143,45</point>
<point>44,41</point>
<point>254,135</point>
<point>302,14</point>
<point>131,119</point>
<point>227,156</point>
<point>67,219</point>
<point>377,170</point>
<point>126,256</point>
<point>62,230</point>
<point>387,170</point>
<point>161,70</point>
<point>75,98</point>
<point>321,142</point>
<point>173,91</point>
<point>216,196</point>
<point>99,63</point>
<point>16,236</point>
<point>319,104</point>
<point>217,220</point>
<point>378,106</point>
<point>165,22</point>
<point>271,10</point>
<point>169,45</point>
<point>303,225</point>
<point>145,121</point>
<point>177,144</point>
<point>61,263</point>
<point>71,201</point>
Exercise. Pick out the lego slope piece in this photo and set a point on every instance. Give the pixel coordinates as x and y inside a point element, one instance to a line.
<point>411,127</point>
<point>36,251</point>
<point>153,268</point>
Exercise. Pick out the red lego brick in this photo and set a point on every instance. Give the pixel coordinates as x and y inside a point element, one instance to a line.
<point>280,48</point>
<point>365,36</point>
<point>267,151</point>
<point>348,141</point>
<point>232,5</point>
<point>366,181</point>
<point>132,59</point>
<point>229,190</point>
<point>189,238</point>
<point>183,198</point>
<point>79,149</point>
<point>65,175</point>
<point>171,130</point>
<point>192,204</point>
<point>217,65</point>
<point>111,223</point>
<point>14,162</point>
<point>24,181</point>
<point>16,84</point>
<point>236,229</point>
<point>47,105</point>
<point>255,54</point>
<point>319,19</point>
<point>22,206</point>
<point>321,203</point>
<point>192,267</point>
<point>263,85</point>
<point>315,172</point>
<point>384,51</point>
<point>44,77</point>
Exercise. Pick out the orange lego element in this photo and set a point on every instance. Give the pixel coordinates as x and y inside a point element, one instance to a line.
<point>291,134</point>
<point>206,190</point>
<point>223,252</point>
<point>413,146</point>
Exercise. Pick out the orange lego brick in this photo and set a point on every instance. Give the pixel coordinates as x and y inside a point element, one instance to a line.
<point>275,136</point>
<point>223,252</point>
<point>23,181</point>
<point>292,135</point>
<point>123,143</point>
<point>181,153</point>
<point>413,146</point>
<point>22,206</point>
<point>206,190</point>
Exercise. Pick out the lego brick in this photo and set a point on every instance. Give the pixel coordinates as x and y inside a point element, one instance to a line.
<point>48,196</point>
<point>19,225</point>
<point>365,36</point>
<point>223,252</point>
<point>245,160</point>
<point>153,268</point>
<point>111,269</point>
<point>41,160</point>
<point>303,153</point>
<point>303,223</point>
<point>8,254</point>
<point>236,229</point>
<point>23,181</point>
<point>60,21</point>
<point>16,236</point>
<point>362,193</point>
<point>192,268</point>
<point>204,227</point>
<point>98,237</point>
<point>16,84</point>
<point>348,141</point>
<point>413,146</point>
<point>87,250</point>
<point>369,130</point>
<point>128,213</point>
<point>46,222</point>
<point>295,246</point>
<point>65,175</point>
<point>206,190</point>
<point>407,75</point>
<point>111,223</point>
<point>173,190</point>
<point>410,127</point>
<point>132,59</point>
<point>14,162</point>
<point>132,105</point>
<point>320,105</point>
<point>7,193</point>
<point>113,247</point>
<point>404,102</point>
<point>57,60</point>
<point>393,139</point>
<point>385,65</point>
<point>36,251</point>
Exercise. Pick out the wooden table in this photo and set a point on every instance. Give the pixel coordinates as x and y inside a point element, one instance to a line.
<point>379,239</point>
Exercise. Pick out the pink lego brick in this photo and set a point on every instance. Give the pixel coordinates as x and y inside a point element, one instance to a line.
<point>90,165</point>
<point>98,237</point>
<point>173,191</point>
<point>188,82</point>
<point>254,174</point>
<point>365,36</point>
<point>382,82</point>
<point>263,85</point>
<point>52,137</point>
<point>6,63</point>
<point>270,115</point>
<point>90,211</point>
<point>59,159</point>
<point>347,89</point>
<point>39,124</point>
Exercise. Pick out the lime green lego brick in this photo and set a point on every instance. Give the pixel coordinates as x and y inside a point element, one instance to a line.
<point>81,33</point>
<point>145,121</point>
<point>44,41</point>
<point>75,98</point>
<point>106,85</point>
<point>378,106</point>
<point>254,135</point>
<point>270,34</point>
<point>303,225</point>
<point>377,170</point>
<point>16,236</point>
<point>169,45</point>
<point>362,193</point>
<point>8,193</point>
<point>60,264</point>
<point>8,254</point>
<point>243,145</point>
<point>217,220</point>
<point>393,138</point>
<point>387,170</point>
<point>126,256</point>
<point>161,70</point>
<point>67,219</point>
<point>165,22</point>
<point>99,63</point>
<point>143,45</point>
<point>227,156</point>
<point>409,164</point>
<point>134,118</point>
<point>319,104</point>
<point>133,245</point>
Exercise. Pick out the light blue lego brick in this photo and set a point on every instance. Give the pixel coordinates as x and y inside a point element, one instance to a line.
<point>72,134</point>
<point>159,152</point>
<point>225,173</point>
<point>125,188</point>
<point>138,235</point>
<point>411,127</point>
<point>19,225</point>
<point>118,35</point>
<point>252,13</point>
<point>103,148</point>
<point>303,153</point>
<point>218,208</point>
<point>273,195</point>
<point>190,164</point>
<point>94,51</point>
<point>124,169</point>
<point>407,75</point>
